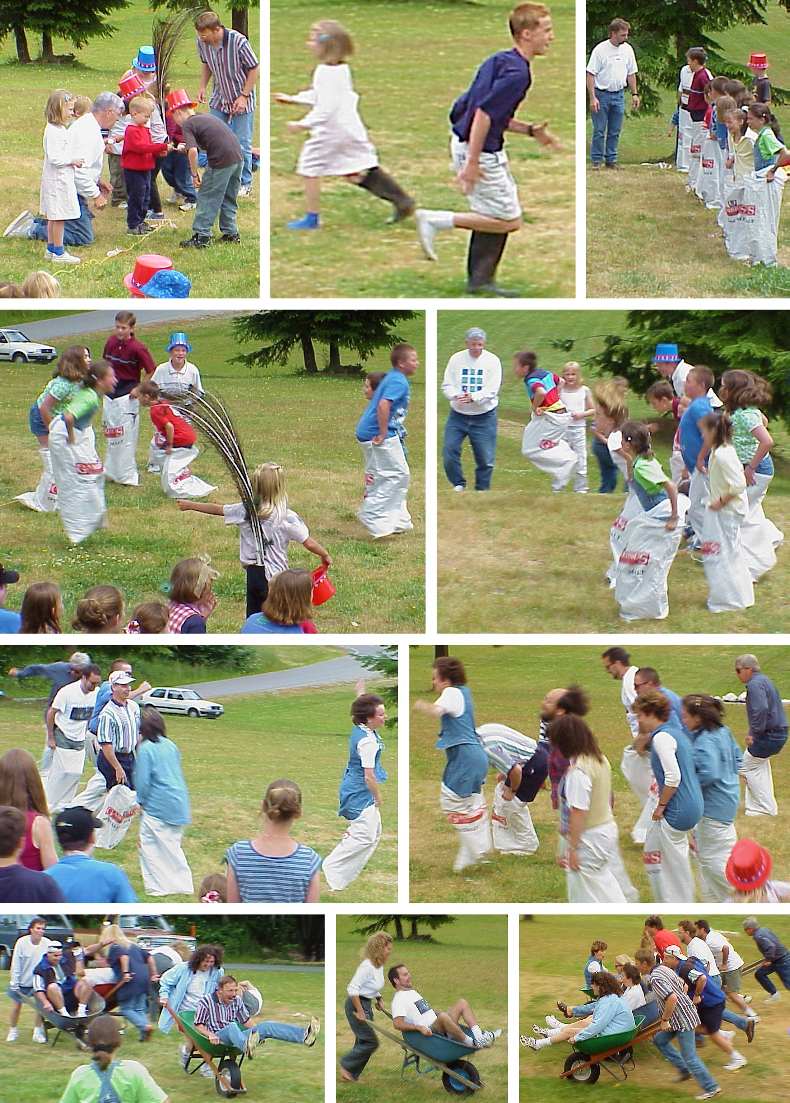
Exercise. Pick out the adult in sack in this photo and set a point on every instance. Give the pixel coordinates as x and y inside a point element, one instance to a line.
<point>179,445</point>
<point>129,359</point>
<point>729,581</point>
<point>363,989</point>
<point>522,773</point>
<point>631,508</point>
<point>360,794</point>
<point>82,878</point>
<point>176,376</point>
<point>164,802</point>
<point>67,727</point>
<point>381,433</point>
<point>118,732</point>
<point>107,1078</point>
<point>544,442</point>
<point>767,736</point>
<point>77,470</point>
<point>461,796</point>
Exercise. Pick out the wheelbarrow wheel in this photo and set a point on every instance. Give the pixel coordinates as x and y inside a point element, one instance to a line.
<point>457,1087</point>
<point>580,1070</point>
<point>230,1074</point>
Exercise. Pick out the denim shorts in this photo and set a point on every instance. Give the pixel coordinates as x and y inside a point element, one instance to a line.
<point>36,422</point>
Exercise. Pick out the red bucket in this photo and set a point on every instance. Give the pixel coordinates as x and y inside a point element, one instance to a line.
<point>322,586</point>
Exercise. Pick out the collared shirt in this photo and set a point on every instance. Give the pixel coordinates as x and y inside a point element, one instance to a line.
<point>216,1015</point>
<point>120,726</point>
<point>612,65</point>
<point>769,945</point>
<point>85,880</point>
<point>87,145</point>
<point>230,62</point>
<point>764,706</point>
<point>480,377</point>
<point>665,983</point>
<point>129,360</point>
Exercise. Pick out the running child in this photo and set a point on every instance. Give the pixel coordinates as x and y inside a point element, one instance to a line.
<point>281,526</point>
<point>287,608</point>
<point>578,401</point>
<point>178,441</point>
<point>545,442</point>
<point>480,118</point>
<point>729,581</point>
<point>338,144</point>
<point>661,396</point>
<point>699,382</point>
<point>58,195</point>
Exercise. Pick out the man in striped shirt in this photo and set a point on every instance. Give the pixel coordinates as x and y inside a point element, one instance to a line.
<point>118,732</point>
<point>229,61</point>
<point>222,1016</point>
<point>679,1019</point>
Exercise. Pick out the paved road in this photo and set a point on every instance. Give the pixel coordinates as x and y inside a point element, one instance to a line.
<point>52,328</point>
<point>232,966</point>
<point>338,671</point>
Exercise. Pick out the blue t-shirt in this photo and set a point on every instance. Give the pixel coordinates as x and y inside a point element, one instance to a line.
<point>690,435</point>
<point>395,388</point>
<point>140,980</point>
<point>9,621</point>
<point>84,880</point>
<point>498,87</point>
<point>259,622</point>
<point>103,694</point>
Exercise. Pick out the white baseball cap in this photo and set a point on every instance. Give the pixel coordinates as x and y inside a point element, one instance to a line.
<point>121,678</point>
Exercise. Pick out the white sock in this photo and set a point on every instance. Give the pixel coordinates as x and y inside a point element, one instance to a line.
<point>441,220</point>
<point>82,1009</point>
<point>542,1043</point>
<point>477,1033</point>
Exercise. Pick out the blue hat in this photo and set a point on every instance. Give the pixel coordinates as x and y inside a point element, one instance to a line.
<point>145,60</point>
<point>167,284</point>
<point>179,338</point>
<point>666,354</point>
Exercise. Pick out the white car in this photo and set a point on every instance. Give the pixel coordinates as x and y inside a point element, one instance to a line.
<point>183,702</point>
<point>17,347</point>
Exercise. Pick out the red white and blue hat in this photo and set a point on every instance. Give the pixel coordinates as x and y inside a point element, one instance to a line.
<point>749,866</point>
<point>145,60</point>
<point>666,354</point>
<point>178,339</point>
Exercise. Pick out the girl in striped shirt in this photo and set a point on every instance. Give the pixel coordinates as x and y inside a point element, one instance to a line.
<point>273,867</point>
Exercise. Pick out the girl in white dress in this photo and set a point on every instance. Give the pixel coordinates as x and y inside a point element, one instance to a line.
<point>338,144</point>
<point>58,196</point>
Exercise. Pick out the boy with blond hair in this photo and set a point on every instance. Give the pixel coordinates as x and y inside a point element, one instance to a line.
<point>479,118</point>
<point>138,161</point>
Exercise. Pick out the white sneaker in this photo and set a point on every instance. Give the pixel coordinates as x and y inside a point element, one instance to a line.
<point>488,1038</point>
<point>752,1015</point>
<point>187,206</point>
<point>710,1094</point>
<point>553,1022</point>
<point>746,999</point>
<point>775,998</point>
<point>253,1041</point>
<point>543,1031</point>
<point>459,489</point>
<point>312,1031</point>
<point>737,1062</point>
<point>39,1036</point>
<point>20,225</point>
<point>64,258</point>
<point>206,1071</point>
<point>12,1034</point>
<point>245,191</point>
<point>426,232</point>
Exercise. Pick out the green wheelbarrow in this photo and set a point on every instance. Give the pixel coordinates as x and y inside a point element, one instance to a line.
<point>612,1052</point>
<point>224,1061</point>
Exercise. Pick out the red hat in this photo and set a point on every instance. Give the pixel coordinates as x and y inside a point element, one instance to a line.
<point>130,86</point>
<point>758,61</point>
<point>145,267</point>
<point>178,98</point>
<point>749,865</point>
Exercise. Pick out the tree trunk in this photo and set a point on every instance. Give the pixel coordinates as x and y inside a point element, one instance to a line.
<point>308,355</point>
<point>238,17</point>
<point>334,356</point>
<point>398,928</point>
<point>414,932</point>
<point>22,48</point>
<point>441,651</point>
<point>47,50</point>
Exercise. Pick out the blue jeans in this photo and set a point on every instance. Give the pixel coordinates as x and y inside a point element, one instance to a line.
<point>607,466</point>
<point>76,231</point>
<point>176,171</point>
<point>607,123</point>
<point>686,1060</point>
<point>236,1036</point>
<point>135,1009</point>
<point>737,1020</point>
<point>217,195</point>
<point>242,126</point>
<point>481,431</point>
<point>782,970</point>
<point>138,196</point>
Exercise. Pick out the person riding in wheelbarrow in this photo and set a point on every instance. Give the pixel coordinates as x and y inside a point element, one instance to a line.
<point>56,985</point>
<point>411,1012</point>
<point>222,1018</point>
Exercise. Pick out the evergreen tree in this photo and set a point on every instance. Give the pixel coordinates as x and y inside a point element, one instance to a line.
<point>77,21</point>
<point>239,12</point>
<point>371,924</point>
<point>385,663</point>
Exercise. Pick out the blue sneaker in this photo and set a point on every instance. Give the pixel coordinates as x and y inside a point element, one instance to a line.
<point>308,222</point>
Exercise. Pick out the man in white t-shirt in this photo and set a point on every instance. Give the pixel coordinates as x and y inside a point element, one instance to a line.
<point>472,380</point>
<point>728,963</point>
<point>611,67</point>
<point>28,952</point>
<point>67,727</point>
<point>411,1012</point>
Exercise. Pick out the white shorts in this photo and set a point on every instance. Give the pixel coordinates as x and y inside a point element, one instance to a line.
<point>495,194</point>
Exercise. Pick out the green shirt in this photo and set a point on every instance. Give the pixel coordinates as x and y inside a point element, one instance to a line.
<point>132,1082</point>
<point>649,474</point>
<point>768,144</point>
<point>83,406</point>
<point>744,421</point>
<point>61,390</point>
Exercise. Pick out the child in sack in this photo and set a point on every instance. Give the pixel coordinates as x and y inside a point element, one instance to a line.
<point>178,439</point>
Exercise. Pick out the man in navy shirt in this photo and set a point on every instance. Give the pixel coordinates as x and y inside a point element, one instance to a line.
<point>479,119</point>
<point>381,432</point>
<point>19,885</point>
<point>776,958</point>
<point>9,621</point>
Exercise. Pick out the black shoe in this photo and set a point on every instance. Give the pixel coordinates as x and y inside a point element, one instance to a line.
<point>611,165</point>
<point>139,231</point>
<point>383,186</point>
<point>750,1025</point>
<point>492,289</point>
<point>230,239</point>
<point>197,241</point>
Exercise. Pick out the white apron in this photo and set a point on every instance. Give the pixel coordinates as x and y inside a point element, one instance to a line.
<point>758,776</point>
<point>714,842</point>
<point>354,850</point>
<point>44,499</point>
<point>383,510</point>
<point>163,864</point>
<point>79,476</point>
<point>121,422</point>
<point>544,443</point>
<point>668,865</point>
<point>640,587</point>
<point>177,478</point>
<point>469,817</point>
<point>729,582</point>
<point>511,825</point>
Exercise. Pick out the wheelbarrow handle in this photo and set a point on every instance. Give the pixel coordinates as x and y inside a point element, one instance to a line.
<point>209,1060</point>
<point>752,966</point>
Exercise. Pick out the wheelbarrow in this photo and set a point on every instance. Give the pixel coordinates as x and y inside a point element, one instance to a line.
<point>436,1053</point>
<point>62,1023</point>
<point>612,1052</point>
<point>225,1061</point>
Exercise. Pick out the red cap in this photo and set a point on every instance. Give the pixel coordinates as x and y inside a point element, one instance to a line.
<point>144,268</point>
<point>758,61</point>
<point>749,865</point>
<point>130,86</point>
<point>178,98</point>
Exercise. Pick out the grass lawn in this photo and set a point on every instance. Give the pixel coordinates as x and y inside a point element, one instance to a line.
<point>280,415</point>
<point>405,104</point>
<point>467,959</point>
<point>508,685</point>
<point>227,272</point>
<point>228,764</point>
<point>40,1074</point>
<point>553,950</point>
<point>539,558</point>
<point>665,243</point>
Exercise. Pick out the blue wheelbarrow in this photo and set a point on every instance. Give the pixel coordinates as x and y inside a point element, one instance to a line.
<point>436,1053</point>
<point>67,1024</point>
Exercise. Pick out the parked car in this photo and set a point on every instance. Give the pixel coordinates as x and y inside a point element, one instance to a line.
<point>13,927</point>
<point>149,931</point>
<point>183,702</point>
<point>17,347</point>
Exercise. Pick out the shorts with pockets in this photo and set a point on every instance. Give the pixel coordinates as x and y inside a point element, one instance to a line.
<point>495,194</point>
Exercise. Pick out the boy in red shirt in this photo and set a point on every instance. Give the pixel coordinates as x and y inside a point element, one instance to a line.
<point>173,431</point>
<point>138,161</point>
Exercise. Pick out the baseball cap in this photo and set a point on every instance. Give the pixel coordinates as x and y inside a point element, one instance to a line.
<point>477,332</point>
<point>54,946</point>
<point>74,825</point>
<point>121,678</point>
<point>7,577</point>
<point>674,951</point>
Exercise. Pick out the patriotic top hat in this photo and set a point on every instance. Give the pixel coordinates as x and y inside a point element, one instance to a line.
<point>666,354</point>
<point>130,86</point>
<point>179,98</point>
<point>178,338</point>
<point>145,60</point>
<point>758,61</point>
<point>749,865</point>
<point>145,267</point>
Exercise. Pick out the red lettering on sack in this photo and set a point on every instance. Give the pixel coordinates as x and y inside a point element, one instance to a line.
<point>637,559</point>
<point>113,431</point>
<point>89,468</point>
<point>733,210</point>
<point>185,474</point>
<point>369,480</point>
<point>621,524</point>
<point>53,490</point>
<point>546,444</point>
<point>710,547</point>
<point>707,164</point>
<point>120,818</point>
<point>695,148</point>
<point>652,857</point>
<point>462,818</point>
